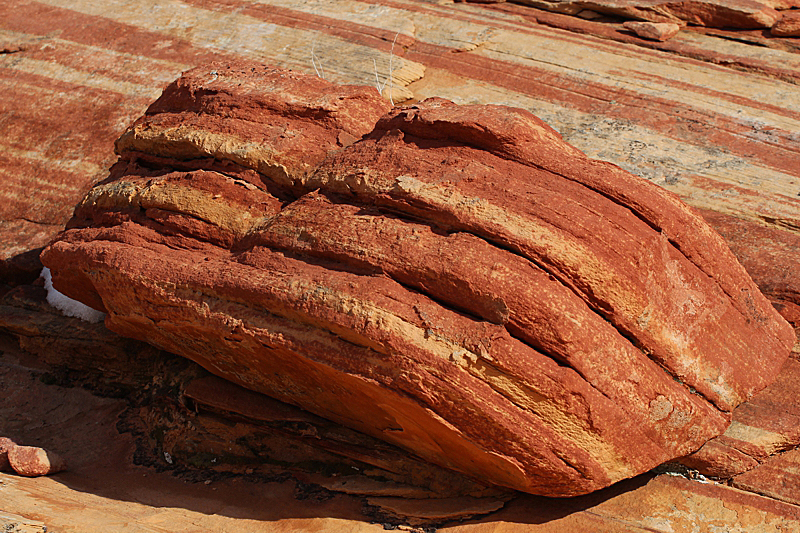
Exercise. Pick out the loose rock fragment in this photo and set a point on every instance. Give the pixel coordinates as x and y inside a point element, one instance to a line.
<point>31,461</point>
<point>788,25</point>
<point>5,445</point>
<point>455,280</point>
<point>656,31</point>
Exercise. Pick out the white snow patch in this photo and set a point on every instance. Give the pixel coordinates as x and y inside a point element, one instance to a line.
<point>67,305</point>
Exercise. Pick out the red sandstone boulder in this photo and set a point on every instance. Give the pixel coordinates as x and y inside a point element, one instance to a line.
<point>460,282</point>
<point>31,461</point>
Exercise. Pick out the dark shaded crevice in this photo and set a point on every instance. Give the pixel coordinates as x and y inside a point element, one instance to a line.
<point>736,39</point>
<point>786,225</point>
<point>569,464</point>
<point>12,49</point>
<point>326,262</point>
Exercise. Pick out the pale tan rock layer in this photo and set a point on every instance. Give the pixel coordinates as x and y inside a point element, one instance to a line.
<point>455,280</point>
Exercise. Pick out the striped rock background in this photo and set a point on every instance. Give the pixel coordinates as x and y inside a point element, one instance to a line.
<point>715,120</point>
<point>712,115</point>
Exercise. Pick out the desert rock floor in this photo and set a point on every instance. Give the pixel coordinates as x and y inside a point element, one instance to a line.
<point>104,491</point>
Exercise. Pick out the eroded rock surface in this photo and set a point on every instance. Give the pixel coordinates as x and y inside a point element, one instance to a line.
<point>459,282</point>
<point>712,13</point>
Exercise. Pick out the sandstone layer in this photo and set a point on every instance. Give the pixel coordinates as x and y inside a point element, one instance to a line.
<point>455,280</point>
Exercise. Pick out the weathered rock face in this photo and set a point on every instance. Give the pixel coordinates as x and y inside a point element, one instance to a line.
<point>788,25</point>
<point>459,282</point>
<point>5,445</point>
<point>655,31</point>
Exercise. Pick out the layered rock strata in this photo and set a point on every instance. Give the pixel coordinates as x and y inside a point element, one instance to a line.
<point>455,280</point>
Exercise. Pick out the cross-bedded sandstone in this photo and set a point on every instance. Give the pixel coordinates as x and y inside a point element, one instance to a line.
<point>455,280</point>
